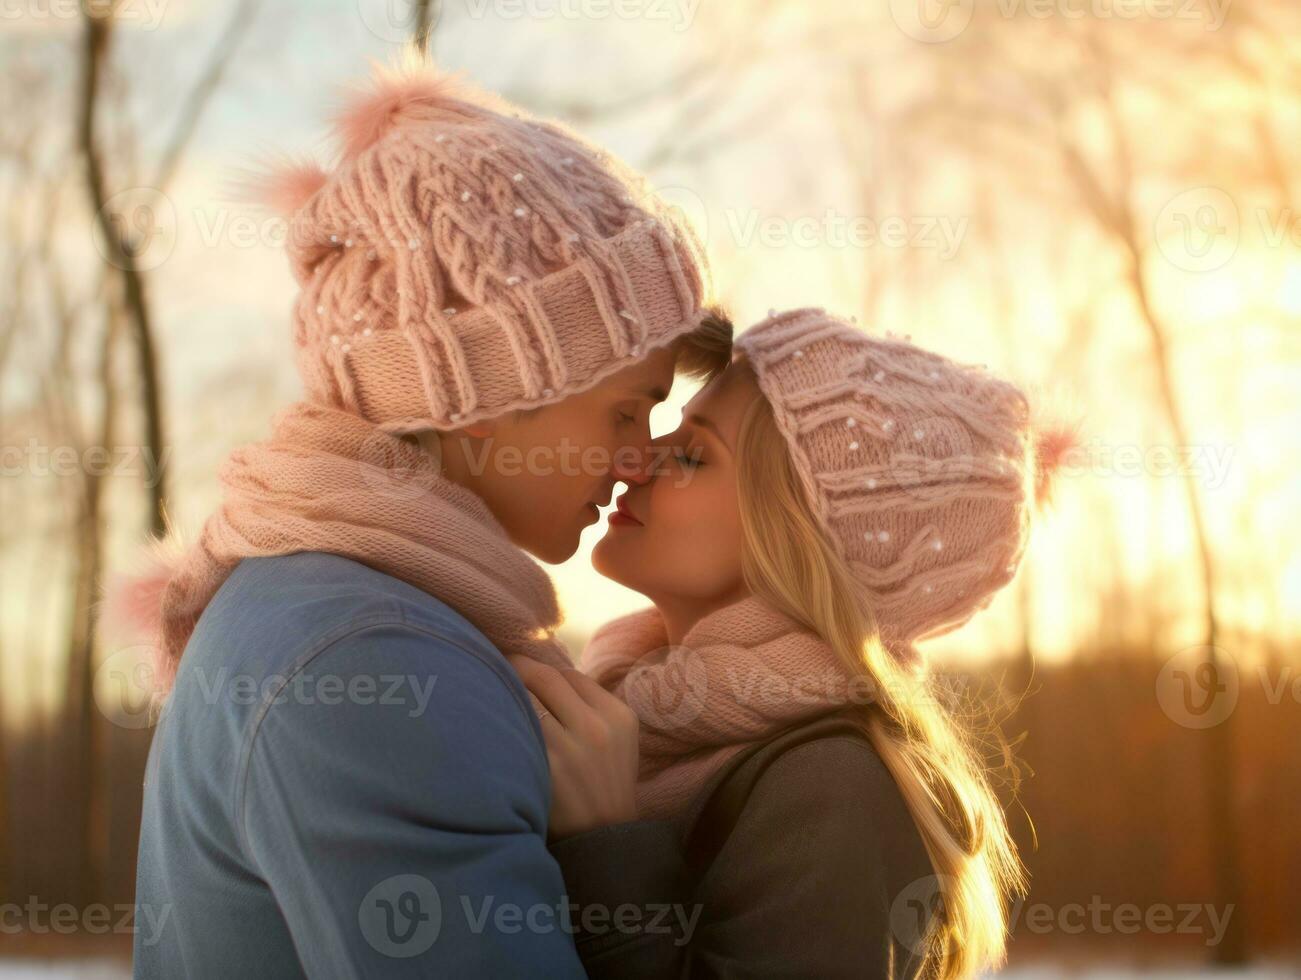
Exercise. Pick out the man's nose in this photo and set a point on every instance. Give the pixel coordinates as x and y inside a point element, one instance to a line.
<point>632,465</point>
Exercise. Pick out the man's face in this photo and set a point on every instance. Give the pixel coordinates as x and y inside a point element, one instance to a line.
<point>544,473</point>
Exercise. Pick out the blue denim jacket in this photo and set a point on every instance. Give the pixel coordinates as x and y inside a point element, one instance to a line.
<point>347,781</point>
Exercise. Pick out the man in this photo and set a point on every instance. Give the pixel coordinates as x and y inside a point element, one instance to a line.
<point>348,779</point>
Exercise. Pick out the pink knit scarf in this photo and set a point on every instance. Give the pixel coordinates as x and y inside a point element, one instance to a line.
<point>327,480</point>
<point>743,673</point>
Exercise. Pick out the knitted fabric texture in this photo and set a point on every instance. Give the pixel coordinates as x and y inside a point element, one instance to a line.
<point>921,471</point>
<point>464,260</point>
<point>327,480</point>
<point>741,674</point>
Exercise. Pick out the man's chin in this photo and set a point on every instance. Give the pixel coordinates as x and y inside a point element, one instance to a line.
<point>555,550</point>
<point>553,554</point>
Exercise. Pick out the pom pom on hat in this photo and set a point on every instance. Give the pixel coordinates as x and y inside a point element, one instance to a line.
<point>1051,446</point>
<point>408,90</point>
<point>131,608</point>
<point>284,186</point>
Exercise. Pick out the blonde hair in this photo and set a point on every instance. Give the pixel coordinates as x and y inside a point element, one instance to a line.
<point>788,561</point>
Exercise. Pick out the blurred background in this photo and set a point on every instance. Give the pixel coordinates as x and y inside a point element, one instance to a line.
<point>1097,198</point>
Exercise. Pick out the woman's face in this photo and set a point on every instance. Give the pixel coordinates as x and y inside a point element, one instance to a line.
<point>677,538</point>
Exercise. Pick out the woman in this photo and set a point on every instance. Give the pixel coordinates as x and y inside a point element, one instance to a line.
<point>831,498</point>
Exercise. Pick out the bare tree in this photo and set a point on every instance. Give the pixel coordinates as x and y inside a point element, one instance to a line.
<point>1030,108</point>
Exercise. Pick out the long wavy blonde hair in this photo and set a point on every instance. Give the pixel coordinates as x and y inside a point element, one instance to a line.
<point>934,757</point>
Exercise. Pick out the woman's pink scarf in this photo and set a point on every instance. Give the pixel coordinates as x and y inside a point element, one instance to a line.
<point>327,480</point>
<point>741,674</point>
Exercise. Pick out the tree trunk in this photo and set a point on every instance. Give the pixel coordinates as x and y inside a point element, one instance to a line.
<point>1220,770</point>
<point>122,256</point>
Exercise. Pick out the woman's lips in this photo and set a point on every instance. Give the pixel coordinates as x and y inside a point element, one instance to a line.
<point>621,517</point>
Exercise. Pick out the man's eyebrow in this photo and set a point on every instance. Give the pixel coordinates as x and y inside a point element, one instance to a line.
<point>655,393</point>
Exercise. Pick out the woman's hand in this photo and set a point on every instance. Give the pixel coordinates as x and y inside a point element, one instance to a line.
<point>591,741</point>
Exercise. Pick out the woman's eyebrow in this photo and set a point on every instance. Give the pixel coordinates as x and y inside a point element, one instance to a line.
<point>702,422</point>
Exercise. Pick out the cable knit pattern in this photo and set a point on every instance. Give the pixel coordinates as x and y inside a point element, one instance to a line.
<point>741,674</point>
<point>921,471</point>
<point>329,481</point>
<point>464,260</point>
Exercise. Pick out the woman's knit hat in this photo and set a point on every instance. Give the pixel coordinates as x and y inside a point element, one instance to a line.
<point>464,260</point>
<point>921,471</point>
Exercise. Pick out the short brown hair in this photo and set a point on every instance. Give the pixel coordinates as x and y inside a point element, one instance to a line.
<point>703,353</point>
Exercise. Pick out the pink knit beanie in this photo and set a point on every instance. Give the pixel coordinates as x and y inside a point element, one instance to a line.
<point>463,260</point>
<point>922,472</point>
